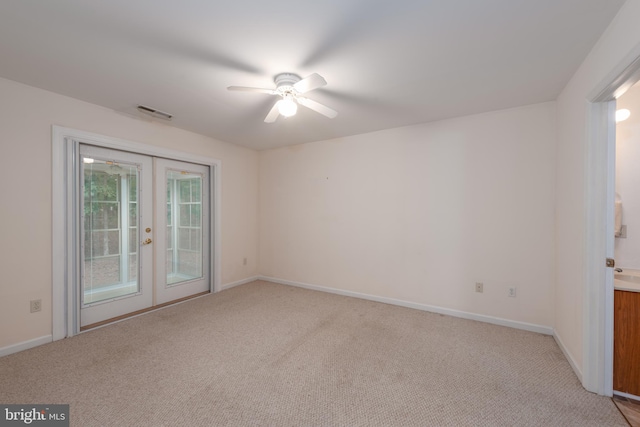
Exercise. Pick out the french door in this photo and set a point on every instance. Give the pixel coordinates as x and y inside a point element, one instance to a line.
<point>182,243</point>
<point>138,209</point>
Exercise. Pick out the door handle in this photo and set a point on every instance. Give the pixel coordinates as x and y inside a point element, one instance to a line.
<point>146,242</point>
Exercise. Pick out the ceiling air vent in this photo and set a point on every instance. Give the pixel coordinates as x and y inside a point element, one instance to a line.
<point>155,113</point>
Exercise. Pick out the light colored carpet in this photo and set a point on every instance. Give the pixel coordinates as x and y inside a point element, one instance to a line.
<point>268,354</point>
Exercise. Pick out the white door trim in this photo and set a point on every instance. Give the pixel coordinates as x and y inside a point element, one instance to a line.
<point>65,273</point>
<point>598,296</point>
<point>599,193</point>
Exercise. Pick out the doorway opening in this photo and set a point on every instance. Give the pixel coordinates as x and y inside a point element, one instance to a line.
<point>135,208</point>
<point>136,228</point>
<point>626,325</point>
<point>598,302</point>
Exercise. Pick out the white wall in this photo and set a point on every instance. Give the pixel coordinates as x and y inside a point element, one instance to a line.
<point>627,250</point>
<point>619,40</point>
<point>421,213</point>
<point>26,117</point>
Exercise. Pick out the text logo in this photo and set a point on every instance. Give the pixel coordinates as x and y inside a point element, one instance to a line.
<point>34,415</point>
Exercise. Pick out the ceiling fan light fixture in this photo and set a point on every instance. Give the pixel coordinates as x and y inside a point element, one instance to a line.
<point>287,106</point>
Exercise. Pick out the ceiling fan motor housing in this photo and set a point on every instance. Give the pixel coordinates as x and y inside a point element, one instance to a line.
<point>285,81</point>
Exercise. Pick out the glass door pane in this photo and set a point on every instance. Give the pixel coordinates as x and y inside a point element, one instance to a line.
<point>110,230</point>
<point>183,227</point>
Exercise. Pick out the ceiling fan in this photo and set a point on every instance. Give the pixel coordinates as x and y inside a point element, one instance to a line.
<point>290,87</point>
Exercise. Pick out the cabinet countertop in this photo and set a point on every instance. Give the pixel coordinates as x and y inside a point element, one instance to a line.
<point>620,285</point>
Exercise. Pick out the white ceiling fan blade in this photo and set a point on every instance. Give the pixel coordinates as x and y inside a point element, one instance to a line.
<point>311,82</point>
<point>252,89</point>
<point>317,107</point>
<point>273,114</point>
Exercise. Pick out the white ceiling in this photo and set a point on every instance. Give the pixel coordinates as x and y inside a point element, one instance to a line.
<point>387,63</point>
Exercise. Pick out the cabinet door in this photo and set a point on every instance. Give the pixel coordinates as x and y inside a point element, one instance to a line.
<point>626,342</point>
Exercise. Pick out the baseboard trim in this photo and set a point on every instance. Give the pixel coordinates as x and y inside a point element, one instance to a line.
<point>239,282</point>
<point>25,345</point>
<point>567,355</point>
<point>424,307</point>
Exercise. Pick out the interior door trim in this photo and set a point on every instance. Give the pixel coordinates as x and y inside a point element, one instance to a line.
<point>65,270</point>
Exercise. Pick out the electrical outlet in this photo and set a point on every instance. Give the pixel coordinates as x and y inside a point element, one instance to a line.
<point>479,287</point>
<point>512,292</point>
<point>244,261</point>
<point>36,305</point>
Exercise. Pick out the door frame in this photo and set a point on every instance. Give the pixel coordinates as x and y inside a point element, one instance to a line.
<point>599,190</point>
<point>65,189</point>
